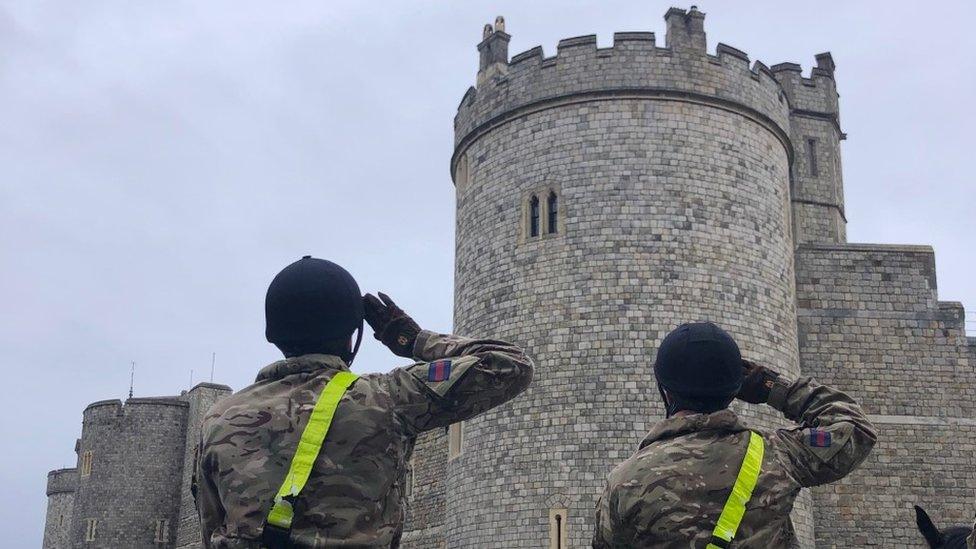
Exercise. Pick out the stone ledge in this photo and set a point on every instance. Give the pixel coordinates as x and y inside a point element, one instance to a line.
<point>882,248</point>
<point>922,420</point>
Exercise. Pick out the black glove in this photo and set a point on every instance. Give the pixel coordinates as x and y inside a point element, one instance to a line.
<point>756,382</point>
<point>390,324</point>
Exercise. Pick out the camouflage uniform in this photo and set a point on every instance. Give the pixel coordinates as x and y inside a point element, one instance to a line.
<point>670,493</point>
<point>354,495</point>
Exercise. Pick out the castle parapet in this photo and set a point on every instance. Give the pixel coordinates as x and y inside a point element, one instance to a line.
<point>62,481</point>
<point>632,67</point>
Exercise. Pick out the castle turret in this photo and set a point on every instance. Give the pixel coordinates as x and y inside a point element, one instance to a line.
<point>686,30</point>
<point>493,50</point>
<point>61,486</point>
<point>817,182</point>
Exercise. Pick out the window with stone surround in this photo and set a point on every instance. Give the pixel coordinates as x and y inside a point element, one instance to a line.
<point>91,528</point>
<point>812,156</point>
<point>86,463</point>
<point>162,531</point>
<point>541,216</point>
<point>534,216</point>
<point>455,440</point>
<point>557,529</point>
<point>552,213</point>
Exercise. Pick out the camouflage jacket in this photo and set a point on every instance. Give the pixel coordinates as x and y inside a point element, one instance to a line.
<point>354,495</point>
<point>670,493</point>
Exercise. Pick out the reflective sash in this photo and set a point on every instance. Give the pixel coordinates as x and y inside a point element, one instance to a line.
<point>319,422</point>
<point>745,483</point>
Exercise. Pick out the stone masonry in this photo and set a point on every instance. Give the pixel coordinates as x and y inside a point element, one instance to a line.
<point>605,195</point>
<point>686,186</point>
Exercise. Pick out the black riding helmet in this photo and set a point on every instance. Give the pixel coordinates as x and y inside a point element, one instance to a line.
<point>314,305</point>
<point>700,366</point>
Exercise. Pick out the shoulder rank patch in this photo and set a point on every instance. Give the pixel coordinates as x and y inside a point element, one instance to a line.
<point>439,370</point>
<point>819,438</point>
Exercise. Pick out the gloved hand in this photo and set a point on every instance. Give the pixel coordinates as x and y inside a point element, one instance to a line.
<point>390,324</point>
<point>756,382</point>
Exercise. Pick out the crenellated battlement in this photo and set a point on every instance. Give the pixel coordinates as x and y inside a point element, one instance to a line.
<point>816,93</point>
<point>633,66</point>
<point>112,409</point>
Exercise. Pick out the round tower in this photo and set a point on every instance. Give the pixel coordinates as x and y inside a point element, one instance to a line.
<point>604,196</point>
<point>61,486</point>
<point>130,460</point>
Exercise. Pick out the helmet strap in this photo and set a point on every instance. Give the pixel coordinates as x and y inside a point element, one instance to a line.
<point>359,340</point>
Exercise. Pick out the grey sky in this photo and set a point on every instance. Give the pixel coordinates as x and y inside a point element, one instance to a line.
<point>163,160</point>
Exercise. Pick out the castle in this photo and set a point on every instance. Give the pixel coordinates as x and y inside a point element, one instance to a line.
<point>605,195</point>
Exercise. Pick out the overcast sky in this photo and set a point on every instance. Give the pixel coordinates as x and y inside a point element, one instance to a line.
<point>163,160</point>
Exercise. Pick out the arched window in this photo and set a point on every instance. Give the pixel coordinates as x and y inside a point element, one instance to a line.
<point>557,528</point>
<point>534,216</point>
<point>552,212</point>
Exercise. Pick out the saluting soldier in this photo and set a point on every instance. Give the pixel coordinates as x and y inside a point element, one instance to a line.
<point>701,477</point>
<point>312,455</point>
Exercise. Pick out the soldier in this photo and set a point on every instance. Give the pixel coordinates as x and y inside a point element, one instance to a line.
<point>311,455</point>
<point>702,478</point>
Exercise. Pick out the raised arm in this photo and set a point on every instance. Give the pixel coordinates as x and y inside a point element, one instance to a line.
<point>456,377</point>
<point>834,435</point>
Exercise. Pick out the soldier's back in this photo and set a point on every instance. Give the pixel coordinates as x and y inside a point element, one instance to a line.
<point>354,491</point>
<point>673,489</point>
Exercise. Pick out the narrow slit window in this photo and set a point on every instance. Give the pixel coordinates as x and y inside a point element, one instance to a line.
<point>552,207</point>
<point>557,529</point>
<point>455,440</point>
<point>534,216</point>
<point>162,531</point>
<point>812,155</point>
<point>91,528</point>
<point>86,463</point>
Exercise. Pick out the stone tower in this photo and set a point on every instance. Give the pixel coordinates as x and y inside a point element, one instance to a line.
<point>131,487</point>
<point>605,195</point>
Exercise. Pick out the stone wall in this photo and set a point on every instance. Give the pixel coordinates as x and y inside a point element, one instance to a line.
<point>425,509</point>
<point>870,323</point>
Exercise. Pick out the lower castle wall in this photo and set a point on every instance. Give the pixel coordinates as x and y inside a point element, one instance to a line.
<point>425,510</point>
<point>870,323</point>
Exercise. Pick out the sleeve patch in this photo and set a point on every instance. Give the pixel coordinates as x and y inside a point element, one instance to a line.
<point>441,375</point>
<point>819,438</point>
<point>439,370</point>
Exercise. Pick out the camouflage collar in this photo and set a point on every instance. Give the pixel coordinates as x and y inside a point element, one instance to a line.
<point>300,364</point>
<point>723,420</point>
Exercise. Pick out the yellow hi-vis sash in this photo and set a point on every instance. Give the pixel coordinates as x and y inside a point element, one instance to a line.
<point>319,422</point>
<point>745,483</point>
